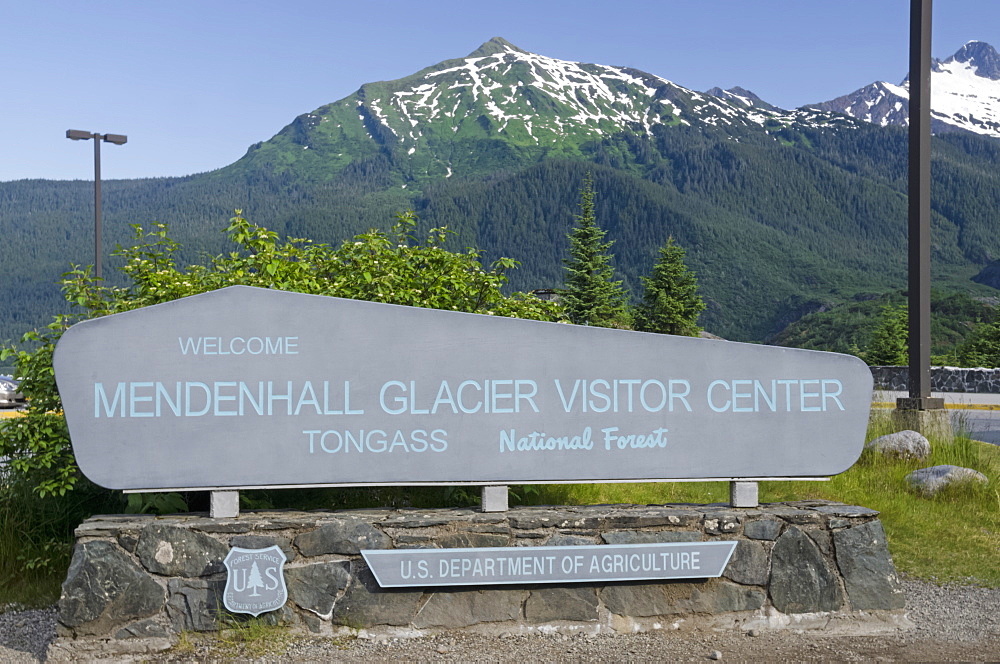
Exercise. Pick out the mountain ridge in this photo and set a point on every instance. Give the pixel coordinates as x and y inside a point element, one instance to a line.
<point>539,105</point>
<point>965,95</point>
<point>979,55</point>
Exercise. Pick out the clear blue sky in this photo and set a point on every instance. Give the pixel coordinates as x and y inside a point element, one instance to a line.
<point>193,83</point>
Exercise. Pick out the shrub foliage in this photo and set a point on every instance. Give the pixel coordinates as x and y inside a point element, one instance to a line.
<point>393,267</point>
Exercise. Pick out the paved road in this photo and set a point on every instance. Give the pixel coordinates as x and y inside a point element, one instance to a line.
<point>977,414</point>
<point>980,424</point>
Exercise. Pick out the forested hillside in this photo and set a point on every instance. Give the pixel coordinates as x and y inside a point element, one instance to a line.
<point>782,214</point>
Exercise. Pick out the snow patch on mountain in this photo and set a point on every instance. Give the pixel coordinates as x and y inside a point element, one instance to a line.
<point>532,99</point>
<point>966,99</point>
<point>965,95</point>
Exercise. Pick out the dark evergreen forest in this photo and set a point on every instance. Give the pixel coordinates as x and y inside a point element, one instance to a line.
<point>776,225</point>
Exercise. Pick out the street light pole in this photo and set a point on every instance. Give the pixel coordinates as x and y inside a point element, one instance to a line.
<point>117,139</point>
<point>98,253</point>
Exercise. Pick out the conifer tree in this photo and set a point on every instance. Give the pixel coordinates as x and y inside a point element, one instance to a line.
<point>591,296</point>
<point>982,347</point>
<point>670,300</point>
<point>889,345</point>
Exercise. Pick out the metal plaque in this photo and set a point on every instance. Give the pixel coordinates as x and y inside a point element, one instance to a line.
<point>396,568</point>
<point>255,580</point>
<point>245,387</point>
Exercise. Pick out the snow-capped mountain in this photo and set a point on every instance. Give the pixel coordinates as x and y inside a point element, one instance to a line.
<point>533,104</point>
<point>965,94</point>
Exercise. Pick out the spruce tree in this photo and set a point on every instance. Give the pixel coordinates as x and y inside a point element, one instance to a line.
<point>670,300</point>
<point>889,345</point>
<point>591,296</point>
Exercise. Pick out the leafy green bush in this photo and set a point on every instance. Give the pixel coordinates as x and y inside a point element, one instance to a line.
<point>392,267</point>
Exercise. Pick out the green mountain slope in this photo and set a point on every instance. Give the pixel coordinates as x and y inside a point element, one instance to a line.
<point>498,108</point>
<point>782,213</point>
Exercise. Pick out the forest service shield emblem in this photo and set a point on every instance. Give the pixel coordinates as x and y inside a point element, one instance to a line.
<point>255,580</point>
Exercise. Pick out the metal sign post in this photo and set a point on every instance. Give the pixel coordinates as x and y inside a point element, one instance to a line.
<point>919,222</point>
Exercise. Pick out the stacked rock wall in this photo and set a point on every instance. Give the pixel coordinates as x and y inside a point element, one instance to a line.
<point>943,379</point>
<point>145,577</point>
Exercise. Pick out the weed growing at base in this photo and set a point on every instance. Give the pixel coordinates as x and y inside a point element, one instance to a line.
<point>239,638</point>
<point>250,637</point>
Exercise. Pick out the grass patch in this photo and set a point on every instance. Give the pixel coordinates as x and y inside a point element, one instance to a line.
<point>954,536</point>
<point>632,493</point>
<point>186,644</point>
<point>243,637</point>
<point>238,639</point>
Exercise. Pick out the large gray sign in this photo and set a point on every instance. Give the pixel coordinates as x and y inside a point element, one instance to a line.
<point>247,387</point>
<point>399,568</point>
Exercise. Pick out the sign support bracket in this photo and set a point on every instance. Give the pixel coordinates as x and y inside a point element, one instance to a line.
<point>743,493</point>
<point>494,498</point>
<point>224,505</point>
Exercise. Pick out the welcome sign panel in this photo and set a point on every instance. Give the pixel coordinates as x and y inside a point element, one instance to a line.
<point>253,387</point>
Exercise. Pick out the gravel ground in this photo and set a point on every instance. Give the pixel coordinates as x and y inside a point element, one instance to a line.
<point>26,635</point>
<point>950,623</point>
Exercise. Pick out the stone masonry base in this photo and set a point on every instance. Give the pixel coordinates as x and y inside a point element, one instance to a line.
<point>140,581</point>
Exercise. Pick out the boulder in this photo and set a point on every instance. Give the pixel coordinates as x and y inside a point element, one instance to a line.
<point>172,551</point>
<point>748,564</point>
<point>365,604</point>
<point>316,587</point>
<point>461,608</point>
<point>653,599</point>
<point>869,575</point>
<point>105,590</point>
<point>801,580</point>
<point>902,445</point>
<point>345,537</point>
<point>572,603</point>
<point>763,529</point>
<point>929,481</point>
<point>195,604</point>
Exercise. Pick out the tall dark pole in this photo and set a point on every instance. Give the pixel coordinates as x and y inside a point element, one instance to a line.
<point>97,206</point>
<point>919,226</point>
